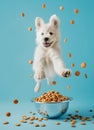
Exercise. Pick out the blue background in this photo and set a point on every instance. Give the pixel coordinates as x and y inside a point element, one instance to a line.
<point>17,46</point>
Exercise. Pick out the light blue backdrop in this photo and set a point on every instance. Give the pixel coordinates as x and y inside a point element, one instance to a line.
<point>17,46</point>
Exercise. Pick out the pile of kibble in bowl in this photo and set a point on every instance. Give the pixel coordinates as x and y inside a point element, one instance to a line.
<point>51,96</point>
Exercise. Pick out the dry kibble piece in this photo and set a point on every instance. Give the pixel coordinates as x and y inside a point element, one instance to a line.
<point>83,123</point>
<point>40,119</point>
<point>30,61</point>
<point>72,65</point>
<point>36,125</point>
<point>76,11</point>
<point>93,122</point>
<point>65,40</point>
<point>54,82</point>
<point>8,114</point>
<point>17,124</point>
<point>23,121</point>
<point>22,14</point>
<point>26,118</point>
<point>69,55</point>
<point>57,123</point>
<point>73,122</point>
<point>83,65</point>
<point>61,7</point>
<point>6,122</point>
<point>32,118</point>
<point>45,119</point>
<point>68,87</point>
<point>29,29</point>
<point>43,6</point>
<point>72,22</point>
<point>77,73</point>
<point>31,122</point>
<point>15,101</point>
<point>42,125</point>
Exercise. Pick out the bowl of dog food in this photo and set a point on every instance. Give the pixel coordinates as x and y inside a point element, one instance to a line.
<point>51,104</point>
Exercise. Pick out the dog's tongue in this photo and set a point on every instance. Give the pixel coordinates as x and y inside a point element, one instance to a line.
<point>47,44</point>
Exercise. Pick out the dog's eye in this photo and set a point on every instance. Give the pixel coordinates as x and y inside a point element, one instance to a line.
<point>51,33</point>
<point>42,33</point>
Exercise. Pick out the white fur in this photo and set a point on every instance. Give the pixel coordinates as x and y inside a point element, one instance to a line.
<point>47,60</point>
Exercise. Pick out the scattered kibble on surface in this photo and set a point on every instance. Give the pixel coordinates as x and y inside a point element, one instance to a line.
<point>8,114</point>
<point>42,125</point>
<point>76,11</point>
<point>83,65</point>
<point>23,121</point>
<point>72,22</point>
<point>6,122</point>
<point>36,125</point>
<point>15,101</point>
<point>77,73</point>
<point>22,14</point>
<point>29,29</point>
<point>83,123</point>
<point>61,7</point>
<point>30,61</point>
<point>31,122</point>
<point>57,123</point>
<point>17,124</point>
<point>43,6</point>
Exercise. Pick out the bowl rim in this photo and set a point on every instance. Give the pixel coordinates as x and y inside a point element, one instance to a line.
<point>70,99</point>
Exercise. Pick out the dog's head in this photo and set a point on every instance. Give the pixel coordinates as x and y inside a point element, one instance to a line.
<point>47,34</point>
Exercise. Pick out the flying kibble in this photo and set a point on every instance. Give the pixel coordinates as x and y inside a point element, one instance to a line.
<point>83,65</point>
<point>29,29</point>
<point>61,7</point>
<point>76,11</point>
<point>43,6</point>
<point>15,101</point>
<point>22,14</point>
<point>54,82</point>
<point>69,55</point>
<point>8,114</point>
<point>77,73</point>
<point>30,61</point>
<point>72,22</point>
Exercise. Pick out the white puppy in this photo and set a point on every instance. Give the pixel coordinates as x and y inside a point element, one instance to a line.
<point>47,59</point>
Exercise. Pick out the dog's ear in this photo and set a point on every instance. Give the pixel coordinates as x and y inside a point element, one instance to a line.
<point>54,20</point>
<point>38,22</point>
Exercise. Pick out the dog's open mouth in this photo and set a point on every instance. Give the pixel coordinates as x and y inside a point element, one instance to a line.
<point>47,44</point>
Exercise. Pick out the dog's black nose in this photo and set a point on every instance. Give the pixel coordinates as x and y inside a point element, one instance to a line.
<point>46,39</point>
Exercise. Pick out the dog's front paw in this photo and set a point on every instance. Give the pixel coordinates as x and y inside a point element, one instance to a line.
<point>66,73</point>
<point>39,75</point>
